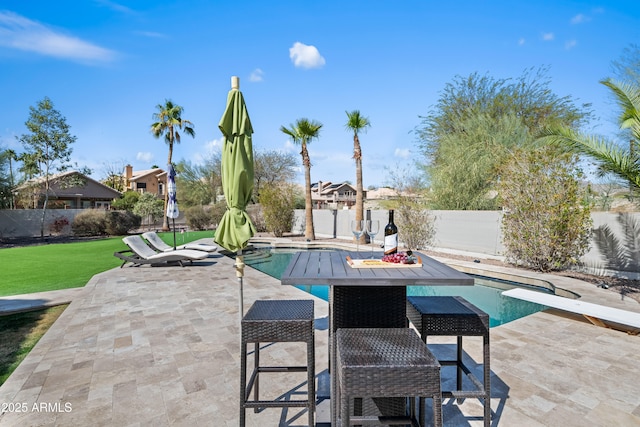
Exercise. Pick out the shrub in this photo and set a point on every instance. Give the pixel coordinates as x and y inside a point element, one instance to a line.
<point>216,211</point>
<point>547,223</point>
<point>150,207</point>
<point>59,225</point>
<point>415,223</point>
<point>256,214</point>
<point>118,223</point>
<point>89,223</point>
<point>198,218</point>
<point>278,204</point>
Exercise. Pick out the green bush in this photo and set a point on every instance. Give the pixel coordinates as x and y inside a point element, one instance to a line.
<point>198,218</point>
<point>90,223</point>
<point>278,204</point>
<point>118,223</point>
<point>127,201</point>
<point>547,223</point>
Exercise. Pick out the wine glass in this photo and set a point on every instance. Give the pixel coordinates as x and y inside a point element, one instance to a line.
<point>357,228</point>
<point>372,228</point>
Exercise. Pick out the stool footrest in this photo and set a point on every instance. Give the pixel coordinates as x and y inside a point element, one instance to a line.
<point>476,382</point>
<point>276,403</point>
<point>382,420</point>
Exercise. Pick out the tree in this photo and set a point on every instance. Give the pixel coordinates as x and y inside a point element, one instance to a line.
<point>278,205</point>
<point>113,176</point>
<point>358,123</point>
<point>9,156</point>
<point>199,185</point>
<point>474,157</point>
<point>48,145</point>
<point>611,157</point>
<point>468,114</point>
<point>272,167</point>
<point>150,207</point>
<point>127,201</point>
<point>416,229</point>
<point>627,67</point>
<point>168,122</point>
<point>547,223</point>
<point>302,133</point>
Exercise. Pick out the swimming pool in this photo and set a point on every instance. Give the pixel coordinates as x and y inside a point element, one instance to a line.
<point>486,293</point>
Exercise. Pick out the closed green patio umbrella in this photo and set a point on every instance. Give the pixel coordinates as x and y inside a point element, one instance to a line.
<point>235,228</point>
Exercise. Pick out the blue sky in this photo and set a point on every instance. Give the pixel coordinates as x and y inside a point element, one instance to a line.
<point>107,64</point>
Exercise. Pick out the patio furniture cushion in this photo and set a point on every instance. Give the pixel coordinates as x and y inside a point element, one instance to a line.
<point>143,254</point>
<point>158,244</point>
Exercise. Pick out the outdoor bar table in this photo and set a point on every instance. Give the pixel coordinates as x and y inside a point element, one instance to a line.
<point>366,297</point>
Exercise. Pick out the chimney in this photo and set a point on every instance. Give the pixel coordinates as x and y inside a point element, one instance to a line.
<point>319,187</point>
<point>128,172</point>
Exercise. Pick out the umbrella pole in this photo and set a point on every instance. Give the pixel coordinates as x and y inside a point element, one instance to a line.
<point>240,275</point>
<point>173,220</point>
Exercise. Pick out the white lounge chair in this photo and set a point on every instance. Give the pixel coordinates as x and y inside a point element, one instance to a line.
<point>596,314</point>
<point>141,253</point>
<point>158,244</point>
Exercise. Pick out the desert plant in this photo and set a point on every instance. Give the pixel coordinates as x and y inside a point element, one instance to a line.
<point>198,218</point>
<point>118,223</point>
<point>257,217</point>
<point>547,223</point>
<point>278,208</point>
<point>90,223</point>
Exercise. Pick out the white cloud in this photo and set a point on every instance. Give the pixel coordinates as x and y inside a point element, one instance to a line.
<point>256,75</point>
<point>570,44</point>
<point>18,32</point>
<point>403,153</point>
<point>305,56</point>
<point>144,156</point>
<point>214,145</point>
<point>547,36</point>
<point>580,19</point>
<point>521,41</point>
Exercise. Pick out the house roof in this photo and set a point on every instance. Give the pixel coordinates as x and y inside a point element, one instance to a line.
<point>96,188</point>
<point>144,173</point>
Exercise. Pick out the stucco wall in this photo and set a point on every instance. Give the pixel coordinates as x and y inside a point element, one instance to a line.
<point>480,232</point>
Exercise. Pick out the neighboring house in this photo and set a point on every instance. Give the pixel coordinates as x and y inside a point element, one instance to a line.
<point>326,195</point>
<point>67,190</point>
<point>146,181</point>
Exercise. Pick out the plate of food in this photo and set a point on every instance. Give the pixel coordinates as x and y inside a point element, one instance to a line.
<point>397,260</point>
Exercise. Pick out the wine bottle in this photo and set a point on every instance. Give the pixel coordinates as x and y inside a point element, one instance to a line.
<point>390,236</point>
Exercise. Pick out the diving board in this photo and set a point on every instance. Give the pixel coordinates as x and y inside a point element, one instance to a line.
<point>595,313</point>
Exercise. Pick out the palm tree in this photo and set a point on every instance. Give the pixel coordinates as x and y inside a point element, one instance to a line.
<point>356,123</point>
<point>612,158</point>
<point>302,133</point>
<point>168,122</point>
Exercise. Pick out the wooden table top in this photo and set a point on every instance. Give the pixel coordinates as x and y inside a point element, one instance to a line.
<point>331,268</point>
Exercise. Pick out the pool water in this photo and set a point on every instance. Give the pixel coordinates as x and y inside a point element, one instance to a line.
<point>486,293</point>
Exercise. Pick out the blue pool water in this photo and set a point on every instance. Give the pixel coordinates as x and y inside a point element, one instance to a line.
<point>486,294</point>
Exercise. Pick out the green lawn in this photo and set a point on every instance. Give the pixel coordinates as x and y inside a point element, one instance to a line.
<point>66,265</point>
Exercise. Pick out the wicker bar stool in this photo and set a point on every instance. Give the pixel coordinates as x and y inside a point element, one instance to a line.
<point>385,362</point>
<point>455,316</point>
<point>277,321</point>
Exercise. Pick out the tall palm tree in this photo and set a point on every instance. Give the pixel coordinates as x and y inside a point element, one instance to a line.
<point>612,158</point>
<point>168,122</point>
<point>302,133</point>
<point>356,122</point>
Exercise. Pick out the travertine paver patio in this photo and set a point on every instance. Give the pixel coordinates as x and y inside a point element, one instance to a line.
<point>159,346</point>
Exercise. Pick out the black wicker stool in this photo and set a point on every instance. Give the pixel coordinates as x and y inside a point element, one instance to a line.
<point>455,316</point>
<point>277,321</point>
<point>385,362</point>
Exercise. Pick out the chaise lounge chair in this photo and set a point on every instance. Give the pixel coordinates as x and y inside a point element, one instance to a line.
<point>158,244</point>
<point>140,253</point>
